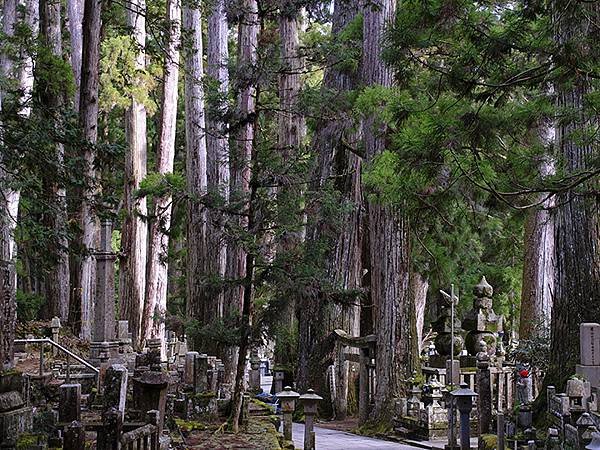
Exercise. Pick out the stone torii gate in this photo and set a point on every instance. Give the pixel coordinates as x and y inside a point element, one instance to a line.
<point>366,360</point>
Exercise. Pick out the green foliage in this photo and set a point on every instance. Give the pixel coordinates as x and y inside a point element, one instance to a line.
<point>121,80</point>
<point>28,305</point>
<point>53,74</point>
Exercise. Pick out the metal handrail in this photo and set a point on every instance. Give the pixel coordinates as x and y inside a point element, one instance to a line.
<point>60,347</point>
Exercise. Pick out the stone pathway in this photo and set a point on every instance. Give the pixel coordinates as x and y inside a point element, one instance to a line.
<point>339,440</point>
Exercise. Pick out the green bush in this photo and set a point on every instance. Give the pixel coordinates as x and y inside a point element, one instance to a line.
<point>28,306</point>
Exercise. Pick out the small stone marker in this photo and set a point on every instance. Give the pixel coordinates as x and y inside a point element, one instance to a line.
<point>69,407</point>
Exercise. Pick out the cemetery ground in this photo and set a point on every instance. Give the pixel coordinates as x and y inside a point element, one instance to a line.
<point>51,400</point>
<point>470,393</point>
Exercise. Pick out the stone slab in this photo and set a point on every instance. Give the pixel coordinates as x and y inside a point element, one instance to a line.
<point>589,344</point>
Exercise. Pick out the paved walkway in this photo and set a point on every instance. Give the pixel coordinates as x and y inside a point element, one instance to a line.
<point>338,440</point>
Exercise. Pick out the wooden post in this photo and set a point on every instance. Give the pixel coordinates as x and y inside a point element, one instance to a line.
<point>363,395</point>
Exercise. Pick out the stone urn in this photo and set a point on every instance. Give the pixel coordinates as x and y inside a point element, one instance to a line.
<point>442,344</point>
<point>475,337</point>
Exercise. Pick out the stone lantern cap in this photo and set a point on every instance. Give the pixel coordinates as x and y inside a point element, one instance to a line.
<point>464,398</point>
<point>464,391</point>
<point>310,396</point>
<point>55,323</point>
<point>288,394</point>
<point>309,400</point>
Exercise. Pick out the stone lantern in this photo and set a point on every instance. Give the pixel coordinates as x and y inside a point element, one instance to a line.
<point>309,401</point>
<point>463,399</point>
<point>288,405</point>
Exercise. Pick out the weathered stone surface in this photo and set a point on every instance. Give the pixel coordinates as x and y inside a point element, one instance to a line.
<point>10,400</point>
<point>69,407</point>
<point>189,368</point>
<point>590,373</point>
<point>103,328</point>
<point>15,422</point>
<point>589,344</point>
<point>150,393</point>
<point>115,388</point>
<point>74,437</point>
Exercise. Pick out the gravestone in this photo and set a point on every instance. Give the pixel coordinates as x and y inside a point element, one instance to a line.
<point>103,327</point>
<point>481,322</point>
<point>69,407</point>
<point>104,308</point>
<point>189,368</point>
<point>115,388</point>
<point>589,345</point>
<point>150,393</point>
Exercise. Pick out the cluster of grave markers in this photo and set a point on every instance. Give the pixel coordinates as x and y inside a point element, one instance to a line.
<point>575,413</point>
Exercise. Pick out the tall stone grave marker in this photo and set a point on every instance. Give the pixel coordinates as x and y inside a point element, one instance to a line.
<point>589,346</point>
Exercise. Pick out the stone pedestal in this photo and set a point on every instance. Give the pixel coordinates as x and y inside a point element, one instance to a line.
<point>150,393</point>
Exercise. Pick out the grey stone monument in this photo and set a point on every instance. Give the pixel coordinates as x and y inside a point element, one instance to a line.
<point>103,327</point>
<point>589,347</point>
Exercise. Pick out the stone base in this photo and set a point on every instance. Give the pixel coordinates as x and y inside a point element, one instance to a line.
<point>590,373</point>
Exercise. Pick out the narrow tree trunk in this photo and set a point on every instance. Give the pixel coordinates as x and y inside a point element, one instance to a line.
<point>291,133</point>
<point>88,119</point>
<point>389,239</point>
<point>335,168</point>
<point>155,307</point>
<point>75,15</point>
<point>195,163</point>
<point>134,246</point>
<point>241,151</point>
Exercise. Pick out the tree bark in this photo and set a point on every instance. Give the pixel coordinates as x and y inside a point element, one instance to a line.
<point>9,206</point>
<point>576,228</point>
<point>241,151</point>
<point>419,286</point>
<point>538,262</point>
<point>75,15</point>
<point>218,161</point>
<point>291,132</point>
<point>134,246</point>
<point>196,169</point>
<point>58,279</point>
<point>155,307</point>
<point>389,239</point>
<point>88,119</point>
<point>335,167</point>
